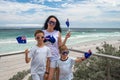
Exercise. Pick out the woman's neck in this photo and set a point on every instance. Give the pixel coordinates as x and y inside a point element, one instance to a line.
<point>50,30</point>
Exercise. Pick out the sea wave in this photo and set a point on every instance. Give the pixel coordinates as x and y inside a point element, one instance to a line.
<point>9,44</point>
<point>9,41</point>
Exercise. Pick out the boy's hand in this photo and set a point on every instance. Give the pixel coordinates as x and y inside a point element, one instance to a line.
<point>26,51</point>
<point>46,76</point>
<point>27,60</point>
<point>83,58</point>
<point>88,54</point>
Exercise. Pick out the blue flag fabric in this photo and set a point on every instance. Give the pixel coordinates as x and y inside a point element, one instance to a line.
<point>21,39</point>
<point>67,23</point>
<point>88,54</point>
<point>50,39</point>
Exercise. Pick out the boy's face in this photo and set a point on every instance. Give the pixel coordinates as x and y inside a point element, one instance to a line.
<point>64,53</point>
<point>39,37</point>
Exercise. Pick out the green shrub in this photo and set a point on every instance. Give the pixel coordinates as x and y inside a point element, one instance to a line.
<point>30,78</point>
<point>99,68</point>
<point>20,75</point>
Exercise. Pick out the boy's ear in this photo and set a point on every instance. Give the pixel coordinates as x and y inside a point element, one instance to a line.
<point>35,38</point>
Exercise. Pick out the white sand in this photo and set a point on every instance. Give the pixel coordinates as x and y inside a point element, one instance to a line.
<point>115,41</point>
<point>10,65</point>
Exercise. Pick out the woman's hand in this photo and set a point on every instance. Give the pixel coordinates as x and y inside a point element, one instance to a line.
<point>68,34</point>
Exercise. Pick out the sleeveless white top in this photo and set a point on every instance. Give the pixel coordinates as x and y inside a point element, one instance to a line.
<point>53,46</point>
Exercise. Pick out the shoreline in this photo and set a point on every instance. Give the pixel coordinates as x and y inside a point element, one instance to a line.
<point>85,44</point>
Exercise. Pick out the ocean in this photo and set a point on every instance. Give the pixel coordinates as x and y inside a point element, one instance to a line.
<point>8,43</point>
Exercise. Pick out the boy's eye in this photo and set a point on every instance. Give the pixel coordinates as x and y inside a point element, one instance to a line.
<point>65,52</point>
<point>40,37</point>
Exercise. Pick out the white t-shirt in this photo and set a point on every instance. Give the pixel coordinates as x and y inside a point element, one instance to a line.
<point>65,68</point>
<point>39,57</point>
<point>53,46</point>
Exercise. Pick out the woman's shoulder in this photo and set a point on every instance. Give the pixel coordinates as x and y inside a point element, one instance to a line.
<point>44,30</point>
<point>56,32</point>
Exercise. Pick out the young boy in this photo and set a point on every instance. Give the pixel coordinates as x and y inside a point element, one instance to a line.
<point>39,56</point>
<point>66,63</point>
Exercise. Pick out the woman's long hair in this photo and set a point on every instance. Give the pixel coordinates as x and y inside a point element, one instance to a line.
<point>57,26</point>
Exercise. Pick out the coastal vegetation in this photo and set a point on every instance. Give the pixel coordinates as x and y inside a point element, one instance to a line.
<point>99,68</point>
<point>20,75</point>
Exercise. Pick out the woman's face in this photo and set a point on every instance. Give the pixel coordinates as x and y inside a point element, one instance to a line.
<point>52,22</point>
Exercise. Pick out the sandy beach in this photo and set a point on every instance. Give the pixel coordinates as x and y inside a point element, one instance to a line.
<point>10,65</point>
<point>115,41</point>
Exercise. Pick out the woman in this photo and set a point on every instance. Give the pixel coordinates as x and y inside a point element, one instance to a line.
<point>53,40</point>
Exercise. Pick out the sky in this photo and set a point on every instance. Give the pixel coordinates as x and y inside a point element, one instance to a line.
<point>81,13</point>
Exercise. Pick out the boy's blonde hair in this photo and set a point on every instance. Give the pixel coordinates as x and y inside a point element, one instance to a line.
<point>63,48</point>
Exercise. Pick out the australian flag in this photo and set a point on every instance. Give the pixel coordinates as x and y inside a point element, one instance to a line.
<point>21,39</point>
<point>67,23</point>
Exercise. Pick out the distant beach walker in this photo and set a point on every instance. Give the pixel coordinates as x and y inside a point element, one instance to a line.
<point>8,43</point>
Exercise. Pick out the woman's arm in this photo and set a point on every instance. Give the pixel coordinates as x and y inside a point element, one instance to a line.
<point>66,37</point>
<point>59,39</point>
<point>48,65</point>
<point>47,69</point>
<point>60,43</point>
<point>57,73</point>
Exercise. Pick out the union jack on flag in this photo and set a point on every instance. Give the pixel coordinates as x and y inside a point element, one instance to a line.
<point>21,39</point>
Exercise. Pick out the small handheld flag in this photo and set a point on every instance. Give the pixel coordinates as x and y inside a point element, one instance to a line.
<point>21,39</point>
<point>68,24</point>
<point>88,54</point>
